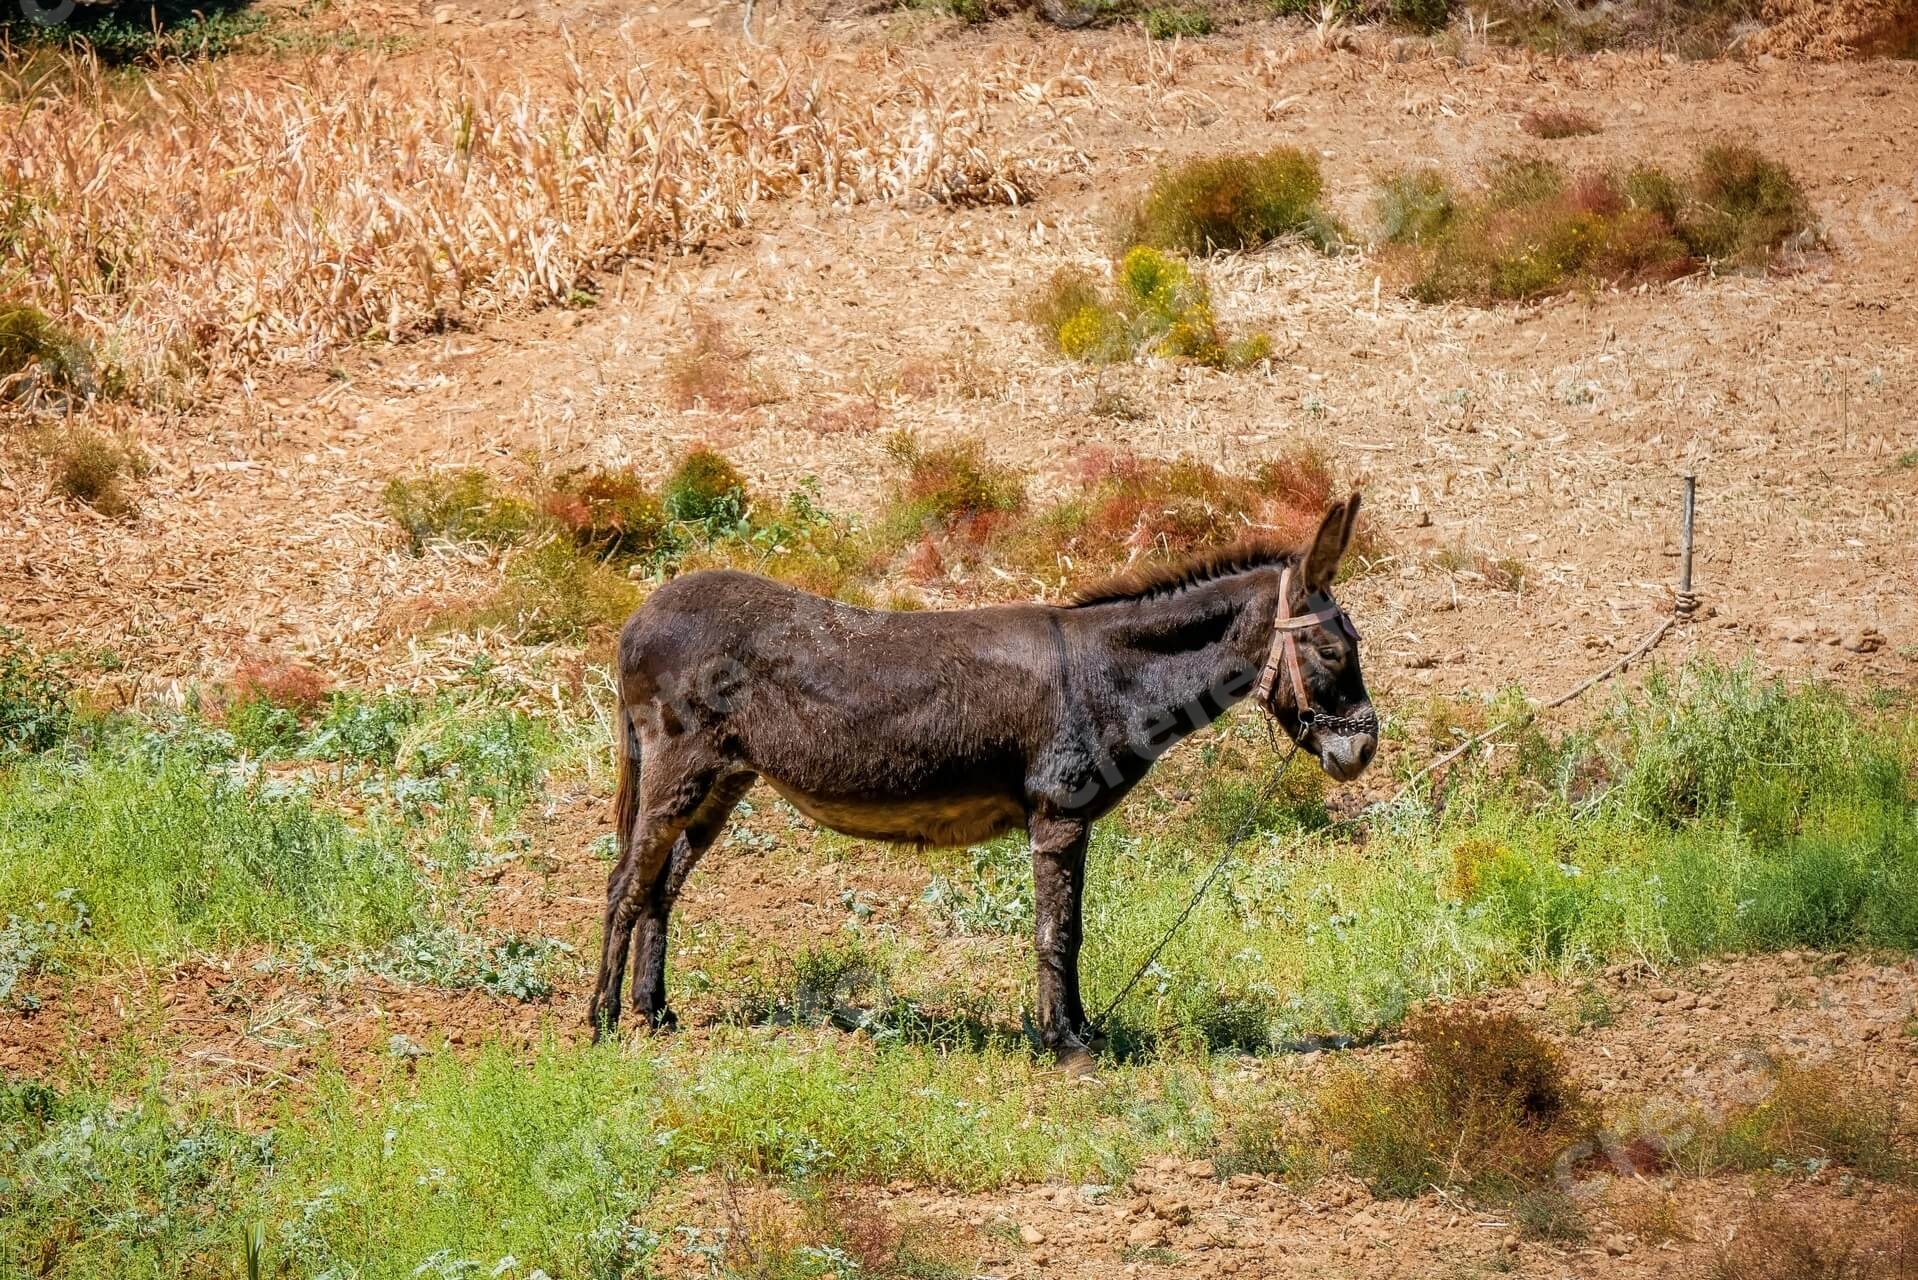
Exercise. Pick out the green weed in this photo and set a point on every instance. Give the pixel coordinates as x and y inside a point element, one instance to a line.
<point>34,349</point>
<point>36,698</point>
<point>1156,305</point>
<point>1168,22</point>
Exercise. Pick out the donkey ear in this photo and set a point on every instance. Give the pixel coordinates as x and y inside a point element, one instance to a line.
<point>1329,544</point>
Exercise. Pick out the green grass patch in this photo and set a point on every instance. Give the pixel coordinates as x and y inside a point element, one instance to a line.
<point>561,1159</point>
<point>333,833</point>
<point>1535,230</point>
<point>129,33</point>
<point>1169,22</point>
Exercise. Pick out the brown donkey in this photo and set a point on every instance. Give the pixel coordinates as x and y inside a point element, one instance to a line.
<point>949,728</point>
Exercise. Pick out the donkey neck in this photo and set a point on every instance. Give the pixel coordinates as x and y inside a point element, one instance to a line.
<point>1193,651</point>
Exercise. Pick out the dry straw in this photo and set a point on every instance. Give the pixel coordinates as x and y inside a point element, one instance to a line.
<point>215,218</point>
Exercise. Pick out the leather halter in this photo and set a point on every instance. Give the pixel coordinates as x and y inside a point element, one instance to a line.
<point>1284,653</point>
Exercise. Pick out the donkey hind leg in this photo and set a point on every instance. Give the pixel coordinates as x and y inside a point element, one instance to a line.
<point>1058,876</point>
<point>667,803</point>
<point>650,928</point>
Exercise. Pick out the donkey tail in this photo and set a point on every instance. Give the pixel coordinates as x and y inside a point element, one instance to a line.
<point>626,790</point>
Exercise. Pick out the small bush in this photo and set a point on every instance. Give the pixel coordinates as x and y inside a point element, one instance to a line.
<point>705,488</point>
<point>1816,1114</point>
<point>36,699</point>
<point>466,506</point>
<point>610,514</point>
<point>1413,206</point>
<point>1554,123</point>
<point>1422,15</point>
<point>1743,207</point>
<point>1156,305</point>
<point>1535,231</point>
<point>90,468</point>
<point>1168,22</point>
<point>1485,1104</point>
<point>1230,203</point>
<point>953,490</point>
<point>712,372</point>
<point>1783,1242</point>
<point>553,593</point>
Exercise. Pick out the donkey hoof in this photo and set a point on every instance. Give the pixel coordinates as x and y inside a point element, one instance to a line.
<point>1075,1063</point>
<point>661,1019</point>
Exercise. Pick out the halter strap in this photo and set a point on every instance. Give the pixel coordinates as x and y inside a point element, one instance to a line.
<point>1285,647</point>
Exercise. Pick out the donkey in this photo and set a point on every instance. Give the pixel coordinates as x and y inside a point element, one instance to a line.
<point>948,728</point>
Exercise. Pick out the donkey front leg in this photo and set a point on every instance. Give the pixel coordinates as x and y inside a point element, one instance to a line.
<point>1058,880</point>
<point>650,930</point>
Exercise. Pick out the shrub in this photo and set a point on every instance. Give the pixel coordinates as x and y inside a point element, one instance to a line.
<point>706,488</point>
<point>36,698</point>
<point>1422,15</point>
<point>1485,1103</point>
<point>952,490</point>
<point>1815,1114</point>
<point>1785,1242</point>
<point>1157,304</point>
<point>554,594</point>
<point>1743,207</point>
<point>1553,123</point>
<point>466,506</point>
<point>1534,231</point>
<point>1167,22</point>
<point>610,514</point>
<point>712,372</point>
<point>1413,206</point>
<point>1236,202</point>
<point>90,468</point>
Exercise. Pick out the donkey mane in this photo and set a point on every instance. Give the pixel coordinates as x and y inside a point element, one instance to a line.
<point>1255,552</point>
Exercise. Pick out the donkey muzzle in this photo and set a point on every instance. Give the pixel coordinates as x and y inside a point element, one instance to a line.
<point>1346,744</point>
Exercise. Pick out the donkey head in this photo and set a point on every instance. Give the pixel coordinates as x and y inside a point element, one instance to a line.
<point>1319,694</point>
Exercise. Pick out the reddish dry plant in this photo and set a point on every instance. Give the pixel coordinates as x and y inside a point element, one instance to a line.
<point>282,682</point>
<point>1132,507</point>
<point>609,513</point>
<point>1553,123</point>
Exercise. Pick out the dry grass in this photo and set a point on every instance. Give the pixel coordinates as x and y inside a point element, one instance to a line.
<point>1484,1103</point>
<point>1553,123</point>
<point>1782,1242</point>
<point>1810,1114</point>
<point>366,195</point>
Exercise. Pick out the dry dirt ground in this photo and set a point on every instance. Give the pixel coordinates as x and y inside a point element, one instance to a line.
<point>1553,434</point>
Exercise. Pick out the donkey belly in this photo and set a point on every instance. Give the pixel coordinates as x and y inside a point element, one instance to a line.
<point>942,820</point>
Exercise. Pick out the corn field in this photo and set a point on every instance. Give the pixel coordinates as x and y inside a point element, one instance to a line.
<point>202,222</point>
